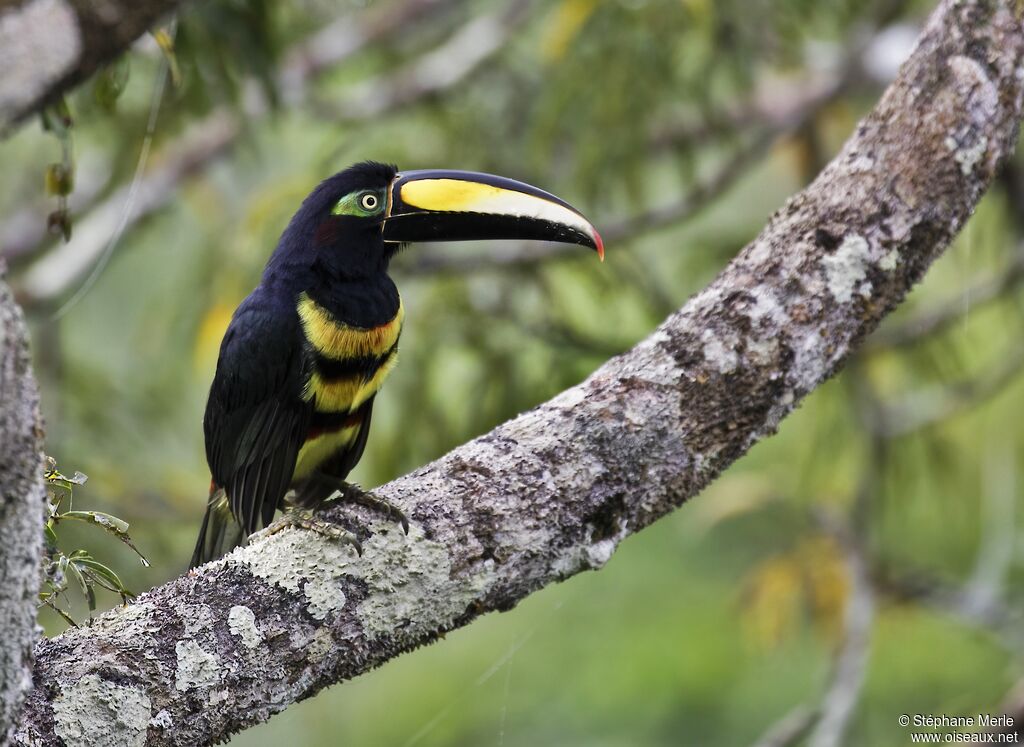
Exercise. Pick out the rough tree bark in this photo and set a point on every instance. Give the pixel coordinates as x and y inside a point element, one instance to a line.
<point>48,46</point>
<point>554,491</point>
<point>22,499</point>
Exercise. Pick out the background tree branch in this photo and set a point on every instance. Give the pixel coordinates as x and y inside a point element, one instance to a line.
<point>553,492</point>
<point>48,46</point>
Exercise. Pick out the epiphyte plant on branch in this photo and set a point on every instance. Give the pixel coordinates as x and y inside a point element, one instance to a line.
<point>307,351</point>
<point>77,569</point>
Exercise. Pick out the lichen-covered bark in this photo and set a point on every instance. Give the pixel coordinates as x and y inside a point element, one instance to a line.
<point>554,491</point>
<point>48,46</point>
<point>22,499</point>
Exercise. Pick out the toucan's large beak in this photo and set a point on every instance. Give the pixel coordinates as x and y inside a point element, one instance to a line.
<point>463,205</point>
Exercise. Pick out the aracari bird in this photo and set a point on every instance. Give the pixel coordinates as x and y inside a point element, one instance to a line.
<point>307,351</point>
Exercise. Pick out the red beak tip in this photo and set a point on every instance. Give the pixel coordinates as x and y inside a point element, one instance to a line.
<point>600,246</point>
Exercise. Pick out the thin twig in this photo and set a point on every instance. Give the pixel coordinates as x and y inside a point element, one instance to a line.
<point>128,206</point>
<point>437,71</point>
<point>56,272</point>
<point>843,693</point>
<point>790,729</point>
<point>927,407</point>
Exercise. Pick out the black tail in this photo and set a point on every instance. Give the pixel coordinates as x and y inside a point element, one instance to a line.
<point>220,533</point>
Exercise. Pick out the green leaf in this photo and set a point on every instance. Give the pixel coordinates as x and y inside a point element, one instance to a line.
<point>51,536</point>
<point>67,618</point>
<point>117,527</point>
<point>60,179</point>
<point>57,118</point>
<point>105,573</point>
<point>111,82</point>
<point>166,44</point>
<point>107,521</point>
<point>77,575</point>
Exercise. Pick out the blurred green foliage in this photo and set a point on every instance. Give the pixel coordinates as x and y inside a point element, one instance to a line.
<point>713,624</point>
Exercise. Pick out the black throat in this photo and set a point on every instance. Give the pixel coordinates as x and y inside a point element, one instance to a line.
<point>365,302</point>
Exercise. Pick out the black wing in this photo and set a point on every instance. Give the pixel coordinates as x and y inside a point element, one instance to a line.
<point>256,419</point>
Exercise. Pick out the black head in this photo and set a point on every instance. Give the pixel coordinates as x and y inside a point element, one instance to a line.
<point>337,230</point>
<point>352,224</point>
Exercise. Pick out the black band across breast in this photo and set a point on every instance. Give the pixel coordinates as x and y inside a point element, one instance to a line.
<point>346,368</point>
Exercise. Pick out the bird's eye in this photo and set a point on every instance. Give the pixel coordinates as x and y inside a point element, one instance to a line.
<point>369,201</point>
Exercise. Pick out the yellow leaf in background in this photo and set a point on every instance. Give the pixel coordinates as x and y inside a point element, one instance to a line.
<point>700,9</point>
<point>828,584</point>
<point>809,582</point>
<point>165,40</point>
<point>211,331</point>
<point>772,601</point>
<point>563,25</point>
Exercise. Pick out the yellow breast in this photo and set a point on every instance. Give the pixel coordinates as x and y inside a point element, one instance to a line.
<point>346,393</point>
<point>337,340</point>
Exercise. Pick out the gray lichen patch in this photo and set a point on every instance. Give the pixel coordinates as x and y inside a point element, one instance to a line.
<point>95,713</point>
<point>242,623</point>
<point>592,556</point>
<point>406,574</point>
<point>889,261</point>
<point>983,90</point>
<point>765,307</point>
<point>199,620</point>
<point>303,562</point>
<point>762,352</point>
<point>43,37</point>
<point>719,352</point>
<point>570,398</point>
<point>847,267</point>
<point>968,156</point>
<point>600,552</point>
<point>196,667</point>
<point>162,720</point>
<point>810,363</point>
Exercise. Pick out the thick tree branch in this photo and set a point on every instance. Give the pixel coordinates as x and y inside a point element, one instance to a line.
<point>48,46</point>
<point>22,499</point>
<point>554,491</point>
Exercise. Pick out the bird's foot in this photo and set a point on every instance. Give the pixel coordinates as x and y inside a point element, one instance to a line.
<point>351,493</point>
<point>302,518</point>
